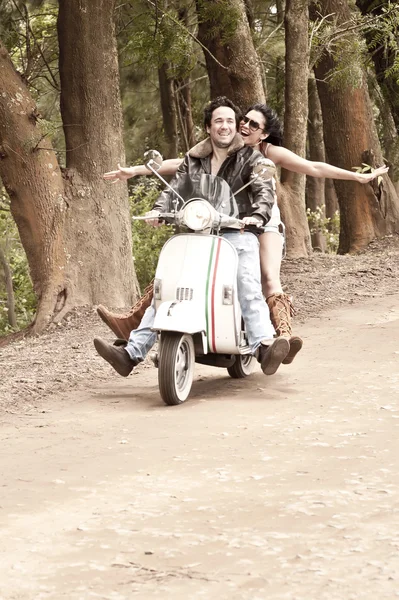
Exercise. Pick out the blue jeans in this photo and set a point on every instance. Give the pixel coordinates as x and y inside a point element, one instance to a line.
<point>254,309</point>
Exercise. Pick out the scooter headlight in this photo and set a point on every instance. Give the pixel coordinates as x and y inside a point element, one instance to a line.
<point>197,215</point>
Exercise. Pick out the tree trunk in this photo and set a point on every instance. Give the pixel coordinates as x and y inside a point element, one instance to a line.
<point>366,211</point>
<point>31,175</point>
<point>315,186</point>
<point>183,95</point>
<point>169,116</point>
<point>183,105</point>
<point>292,201</point>
<point>237,74</point>
<point>75,230</point>
<point>12,318</point>
<point>100,266</point>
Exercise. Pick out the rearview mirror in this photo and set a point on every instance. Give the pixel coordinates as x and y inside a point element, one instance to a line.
<point>153,159</point>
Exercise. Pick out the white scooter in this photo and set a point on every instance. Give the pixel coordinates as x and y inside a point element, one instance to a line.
<point>198,315</point>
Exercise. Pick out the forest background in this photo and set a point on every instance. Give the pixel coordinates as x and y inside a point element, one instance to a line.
<point>86,85</point>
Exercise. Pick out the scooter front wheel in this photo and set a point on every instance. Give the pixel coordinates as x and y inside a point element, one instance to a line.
<point>242,366</point>
<point>176,367</point>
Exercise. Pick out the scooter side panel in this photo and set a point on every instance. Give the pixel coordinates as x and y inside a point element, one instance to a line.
<point>196,268</point>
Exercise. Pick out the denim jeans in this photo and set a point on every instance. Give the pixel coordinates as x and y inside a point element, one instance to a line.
<point>254,309</point>
<point>142,339</point>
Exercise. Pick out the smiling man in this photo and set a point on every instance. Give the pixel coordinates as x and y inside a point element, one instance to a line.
<point>224,154</point>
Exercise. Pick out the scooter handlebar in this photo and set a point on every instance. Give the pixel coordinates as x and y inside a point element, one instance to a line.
<point>160,216</point>
<point>225,221</point>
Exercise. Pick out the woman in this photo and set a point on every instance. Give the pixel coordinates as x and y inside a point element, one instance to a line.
<point>260,128</point>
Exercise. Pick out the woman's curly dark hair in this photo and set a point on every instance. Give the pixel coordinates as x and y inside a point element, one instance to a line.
<point>273,125</point>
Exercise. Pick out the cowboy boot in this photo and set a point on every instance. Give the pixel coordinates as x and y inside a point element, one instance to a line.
<point>122,325</point>
<point>281,311</point>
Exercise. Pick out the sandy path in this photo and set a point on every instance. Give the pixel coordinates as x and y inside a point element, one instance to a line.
<point>283,487</point>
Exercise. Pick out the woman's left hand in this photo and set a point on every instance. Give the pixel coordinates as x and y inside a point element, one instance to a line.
<point>367,177</point>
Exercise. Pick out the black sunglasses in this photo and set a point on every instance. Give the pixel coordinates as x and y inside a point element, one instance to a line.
<point>253,125</point>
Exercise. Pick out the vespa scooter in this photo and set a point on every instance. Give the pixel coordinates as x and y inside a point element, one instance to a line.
<point>198,316</point>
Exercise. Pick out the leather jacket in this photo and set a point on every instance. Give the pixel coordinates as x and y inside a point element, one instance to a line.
<point>255,200</point>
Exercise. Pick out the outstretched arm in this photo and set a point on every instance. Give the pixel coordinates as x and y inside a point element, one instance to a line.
<point>292,162</point>
<point>169,167</point>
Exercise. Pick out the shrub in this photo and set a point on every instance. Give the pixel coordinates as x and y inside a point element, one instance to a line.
<point>329,227</point>
<point>25,299</point>
<point>147,240</point>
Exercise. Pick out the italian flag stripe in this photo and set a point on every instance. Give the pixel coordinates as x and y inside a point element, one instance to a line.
<point>210,293</point>
<point>219,243</point>
<point>207,292</point>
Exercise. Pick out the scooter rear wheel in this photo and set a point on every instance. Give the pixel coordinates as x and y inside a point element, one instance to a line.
<point>242,366</point>
<point>176,367</point>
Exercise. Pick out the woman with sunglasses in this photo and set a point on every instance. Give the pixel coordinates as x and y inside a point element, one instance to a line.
<point>260,128</point>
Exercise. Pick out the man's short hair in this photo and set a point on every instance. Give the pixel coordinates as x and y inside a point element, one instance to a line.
<point>217,103</point>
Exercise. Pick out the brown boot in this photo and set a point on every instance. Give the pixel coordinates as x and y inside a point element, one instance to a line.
<point>122,325</point>
<point>281,311</point>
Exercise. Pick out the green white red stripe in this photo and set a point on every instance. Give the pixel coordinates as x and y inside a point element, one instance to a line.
<point>210,293</point>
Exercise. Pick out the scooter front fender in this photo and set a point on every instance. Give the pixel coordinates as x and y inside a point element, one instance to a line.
<point>185,316</point>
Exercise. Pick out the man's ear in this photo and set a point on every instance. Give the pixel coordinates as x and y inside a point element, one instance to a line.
<point>208,129</point>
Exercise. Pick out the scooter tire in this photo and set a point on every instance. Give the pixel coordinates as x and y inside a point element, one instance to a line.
<point>242,366</point>
<point>176,367</point>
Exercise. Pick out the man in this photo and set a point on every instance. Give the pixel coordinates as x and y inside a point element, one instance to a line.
<point>223,153</point>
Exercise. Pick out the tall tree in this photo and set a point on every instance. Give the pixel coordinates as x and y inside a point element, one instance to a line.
<point>292,201</point>
<point>169,114</point>
<point>366,211</point>
<point>315,187</point>
<point>32,178</point>
<point>74,228</point>
<point>98,230</point>
<point>231,59</point>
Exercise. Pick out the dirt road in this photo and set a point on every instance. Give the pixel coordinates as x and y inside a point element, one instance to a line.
<point>281,488</point>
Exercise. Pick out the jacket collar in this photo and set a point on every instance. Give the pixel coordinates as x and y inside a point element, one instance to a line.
<point>204,148</point>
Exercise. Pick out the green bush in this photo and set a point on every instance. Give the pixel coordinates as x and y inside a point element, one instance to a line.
<point>25,299</point>
<point>329,227</point>
<point>147,240</point>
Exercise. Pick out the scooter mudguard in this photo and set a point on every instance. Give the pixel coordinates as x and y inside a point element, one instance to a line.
<point>200,270</point>
<point>184,316</point>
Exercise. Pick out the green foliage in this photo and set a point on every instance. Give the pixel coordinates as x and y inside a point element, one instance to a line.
<point>329,227</point>
<point>221,18</point>
<point>28,30</point>
<point>269,40</point>
<point>156,37</point>
<point>147,240</point>
<point>25,299</point>
<point>383,33</point>
<point>344,44</point>
<point>150,36</point>
<point>344,41</point>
